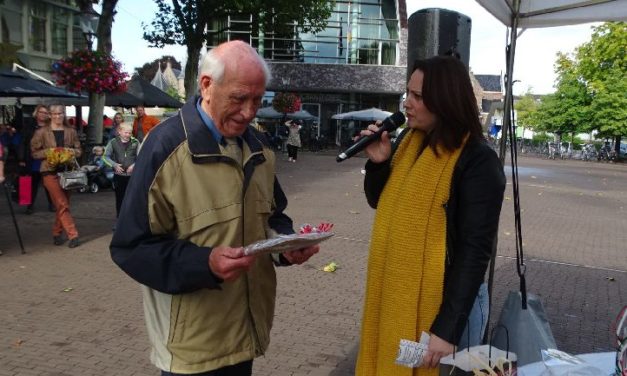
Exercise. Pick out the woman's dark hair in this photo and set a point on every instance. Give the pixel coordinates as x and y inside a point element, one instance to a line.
<point>447,92</point>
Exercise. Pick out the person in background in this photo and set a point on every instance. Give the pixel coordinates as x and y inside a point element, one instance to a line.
<point>438,197</point>
<point>107,126</point>
<point>204,186</point>
<point>120,154</point>
<point>293,140</point>
<point>143,123</point>
<point>30,165</point>
<point>118,119</point>
<point>57,135</point>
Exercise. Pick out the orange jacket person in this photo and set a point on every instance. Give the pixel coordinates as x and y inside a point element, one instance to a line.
<point>146,121</point>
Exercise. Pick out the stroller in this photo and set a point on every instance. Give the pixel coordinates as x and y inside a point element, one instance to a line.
<point>99,175</point>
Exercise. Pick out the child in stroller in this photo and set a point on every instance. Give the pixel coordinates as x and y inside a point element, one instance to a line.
<point>99,175</point>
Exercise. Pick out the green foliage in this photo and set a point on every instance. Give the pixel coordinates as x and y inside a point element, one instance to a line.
<point>541,138</point>
<point>591,86</point>
<point>8,54</point>
<point>195,22</point>
<point>174,93</point>
<point>527,111</point>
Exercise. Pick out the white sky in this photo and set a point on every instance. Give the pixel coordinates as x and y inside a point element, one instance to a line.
<point>535,52</point>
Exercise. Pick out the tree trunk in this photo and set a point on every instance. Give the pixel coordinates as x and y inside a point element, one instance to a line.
<point>191,70</point>
<point>97,101</point>
<point>94,124</point>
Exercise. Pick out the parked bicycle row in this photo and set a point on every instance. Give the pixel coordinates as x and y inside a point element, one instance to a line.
<point>567,150</point>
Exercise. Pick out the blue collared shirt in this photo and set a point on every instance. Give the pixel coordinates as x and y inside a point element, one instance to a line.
<point>209,123</point>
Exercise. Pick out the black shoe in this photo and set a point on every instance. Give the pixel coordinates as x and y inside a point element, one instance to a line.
<point>74,243</point>
<point>29,210</point>
<point>58,240</point>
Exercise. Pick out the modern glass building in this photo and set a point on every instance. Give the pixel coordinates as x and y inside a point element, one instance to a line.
<point>358,61</point>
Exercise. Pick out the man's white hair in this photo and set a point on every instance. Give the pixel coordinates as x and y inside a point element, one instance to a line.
<point>212,64</point>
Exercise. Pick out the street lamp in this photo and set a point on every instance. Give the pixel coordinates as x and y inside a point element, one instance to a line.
<point>89,24</point>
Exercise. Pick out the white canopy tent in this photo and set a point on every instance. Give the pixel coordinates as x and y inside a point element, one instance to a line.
<point>523,14</point>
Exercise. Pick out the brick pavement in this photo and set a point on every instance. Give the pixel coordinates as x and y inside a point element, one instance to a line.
<point>573,215</point>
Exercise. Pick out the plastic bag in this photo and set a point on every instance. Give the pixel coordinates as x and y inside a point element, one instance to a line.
<point>559,363</point>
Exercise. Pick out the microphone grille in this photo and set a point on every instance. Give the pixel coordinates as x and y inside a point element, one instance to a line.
<point>397,118</point>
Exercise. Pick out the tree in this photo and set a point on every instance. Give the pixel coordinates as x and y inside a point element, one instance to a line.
<point>526,112</point>
<point>603,67</point>
<point>148,70</point>
<point>97,101</point>
<point>568,109</point>
<point>195,22</point>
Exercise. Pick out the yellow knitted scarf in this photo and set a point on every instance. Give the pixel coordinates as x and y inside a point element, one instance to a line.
<point>407,251</point>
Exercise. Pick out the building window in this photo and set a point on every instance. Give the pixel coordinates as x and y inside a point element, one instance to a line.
<point>11,22</point>
<point>60,25</point>
<point>368,35</point>
<point>37,27</point>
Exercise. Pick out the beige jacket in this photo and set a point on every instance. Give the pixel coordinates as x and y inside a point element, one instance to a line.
<point>43,139</point>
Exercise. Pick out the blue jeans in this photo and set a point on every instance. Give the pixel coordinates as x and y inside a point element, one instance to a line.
<point>477,320</point>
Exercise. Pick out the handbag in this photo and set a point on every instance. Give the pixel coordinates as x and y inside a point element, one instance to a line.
<point>73,179</point>
<point>24,187</point>
<point>483,360</point>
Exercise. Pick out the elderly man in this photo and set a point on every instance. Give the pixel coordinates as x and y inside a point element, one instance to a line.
<point>143,123</point>
<point>204,185</point>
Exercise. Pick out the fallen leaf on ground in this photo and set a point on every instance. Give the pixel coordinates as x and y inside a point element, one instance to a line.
<point>67,289</point>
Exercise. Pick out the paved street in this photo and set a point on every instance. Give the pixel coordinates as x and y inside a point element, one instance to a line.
<point>71,312</point>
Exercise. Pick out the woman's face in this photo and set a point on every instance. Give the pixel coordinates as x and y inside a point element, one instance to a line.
<point>418,116</point>
<point>43,115</point>
<point>118,119</point>
<point>57,114</point>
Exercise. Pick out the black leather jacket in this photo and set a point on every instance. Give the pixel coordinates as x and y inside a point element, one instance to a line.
<point>472,215</point>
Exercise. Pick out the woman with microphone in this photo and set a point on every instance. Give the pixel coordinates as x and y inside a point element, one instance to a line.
<point>438,193</point>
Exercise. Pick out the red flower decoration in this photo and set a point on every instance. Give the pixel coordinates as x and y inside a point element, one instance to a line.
<point>92,71</point>
<point>286,102</point>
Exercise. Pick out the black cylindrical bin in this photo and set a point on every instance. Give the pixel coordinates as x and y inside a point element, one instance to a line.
<point>435,31</point>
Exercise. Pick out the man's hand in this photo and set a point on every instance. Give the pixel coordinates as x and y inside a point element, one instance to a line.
<point>118,169</point>
<point>229,263</point>
<point>129,170</point>
<point>301,255</point>
<point>438,348</point>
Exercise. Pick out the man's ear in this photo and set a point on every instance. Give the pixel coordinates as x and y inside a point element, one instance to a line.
<point>205,83</point>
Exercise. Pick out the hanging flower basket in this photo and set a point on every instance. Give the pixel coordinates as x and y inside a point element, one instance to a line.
<point>286,103</point>
<point>90,71</point>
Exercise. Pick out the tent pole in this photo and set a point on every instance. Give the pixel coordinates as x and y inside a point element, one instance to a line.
<point>507,106</point>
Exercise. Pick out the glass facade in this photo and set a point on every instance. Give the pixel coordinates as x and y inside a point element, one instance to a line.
<point>41,27</point>
<point>11,22</point>
<point>37,27</point>
<point>358,32</point>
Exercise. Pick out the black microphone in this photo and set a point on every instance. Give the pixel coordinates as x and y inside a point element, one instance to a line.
<point>389,124</point>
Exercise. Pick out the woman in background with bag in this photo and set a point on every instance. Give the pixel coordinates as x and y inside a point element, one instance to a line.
<point>438,198</point>
<point>31,166</point>
<point>45,140</point>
